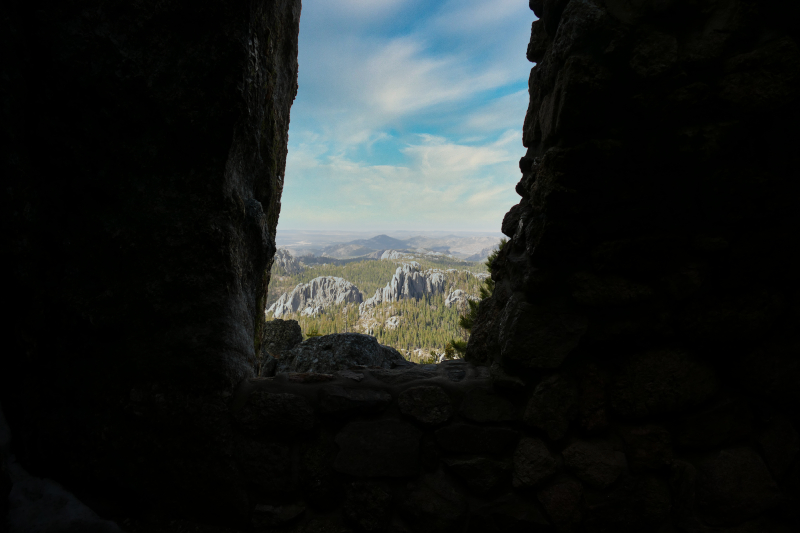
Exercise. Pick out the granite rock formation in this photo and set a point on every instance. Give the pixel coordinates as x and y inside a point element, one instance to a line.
<point>309,299</point>
<point>409,281</point>
<point>288,263</point>
<point>339,351</point>
<point>458,298</point>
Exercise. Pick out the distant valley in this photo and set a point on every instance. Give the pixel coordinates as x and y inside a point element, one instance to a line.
<point>348,245</point>
<point>408,292</point>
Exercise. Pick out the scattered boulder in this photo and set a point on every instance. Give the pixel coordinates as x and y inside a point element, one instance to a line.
<point>338,351</point>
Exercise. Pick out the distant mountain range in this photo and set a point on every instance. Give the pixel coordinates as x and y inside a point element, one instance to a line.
<point>463,247</point>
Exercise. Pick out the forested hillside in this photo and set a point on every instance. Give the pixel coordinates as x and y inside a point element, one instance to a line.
<point>416,327</point>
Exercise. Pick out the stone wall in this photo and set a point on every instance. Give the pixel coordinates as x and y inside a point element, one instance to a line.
<point>646,301</point>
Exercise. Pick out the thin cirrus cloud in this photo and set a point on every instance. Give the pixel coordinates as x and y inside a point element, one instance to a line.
<point>408,115</point>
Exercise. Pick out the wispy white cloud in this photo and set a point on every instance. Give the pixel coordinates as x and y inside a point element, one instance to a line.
<point>408,113</point>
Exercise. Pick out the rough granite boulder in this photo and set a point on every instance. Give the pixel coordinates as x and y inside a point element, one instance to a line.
<point>279,336</point>
<point>339,351</point>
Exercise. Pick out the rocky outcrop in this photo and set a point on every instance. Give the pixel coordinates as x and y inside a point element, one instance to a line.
<point>144,148</point>
<point>389,255</point>
<point>287,263</point>
<point>409,281</point>
<point>310,299</point>
<point>458,298</point>
<point>339,351</point>
<point>279,336</point>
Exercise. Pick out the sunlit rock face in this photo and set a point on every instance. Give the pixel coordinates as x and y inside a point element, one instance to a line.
<point>310,299</point>
<point>409,281</point>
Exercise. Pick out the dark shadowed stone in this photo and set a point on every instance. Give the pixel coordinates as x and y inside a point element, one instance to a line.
<point>480,405</point>
<point>376,448</point>
<point>661,381</point>
<point>467,438</point>
<point>274,411</point>
<point>481,474</point>
<point>434,505</point>
<point>309,377</point>
<point>780,445</point>
<point>594,464</point>
<point>538,337</point>
<point>368,504</point>
<point>400,376</point>
<point>634,505</point>
<point>338,351</point>
<point>611,290</point>
<point>592,400</point>
<point>734,485</point>
<point>563,502</point>
<point>725,421</point>
<point>552,406</point>
<point>533,463</point>
<point>427,404</point>
<point>321,486</point>
<point>270,466</point>
<point>647,447</point>
<point>280,335</point>
<point>655,55</point>
<point>265,516</point>
<point>507,514</point>
<point>335,399</point>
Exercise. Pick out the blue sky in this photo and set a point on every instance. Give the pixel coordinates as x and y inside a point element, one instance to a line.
<point>408,116</point>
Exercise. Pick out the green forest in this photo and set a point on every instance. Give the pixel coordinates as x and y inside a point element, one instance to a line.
<point>425,325</point>
<point>367,275</point>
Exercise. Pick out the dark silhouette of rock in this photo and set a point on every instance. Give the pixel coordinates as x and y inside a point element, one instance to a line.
<point>279,336</point>
<point>533,463</point>
<point>597,465</point>
<point>468,438</point>
<point>382,448</point>
<point>552,406</point>
<point>481,474</point>
<point>338,400</point>
<point>479,405</point>
<point>338,351</point>
<point>427,404</point>
<point>434,504</point>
